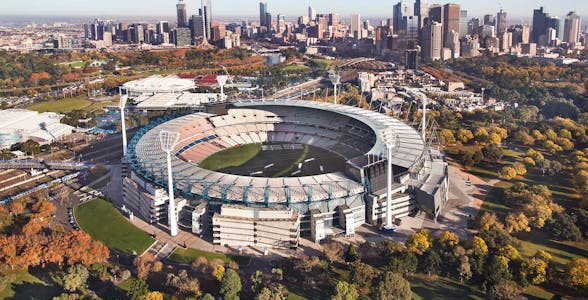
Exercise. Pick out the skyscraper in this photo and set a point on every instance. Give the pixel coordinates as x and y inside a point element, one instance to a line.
<point>572,28</point>
<point>206,13</point>
<point>311,13</point>
<point>262,12</point>
<point>501,22</point>
<point>432,41</point>
<point>182,14</point>
<point>421,11</point>
<point>436,13</point>
<point>356,29</point>
<point>451,13</point>
<point>463,23</point>
<point>400,10</point>
<point>539,27</point>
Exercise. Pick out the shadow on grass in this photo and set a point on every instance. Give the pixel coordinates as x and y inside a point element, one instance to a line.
<point>442,288</point>
<point>29,290</point>
<point>557,249</point>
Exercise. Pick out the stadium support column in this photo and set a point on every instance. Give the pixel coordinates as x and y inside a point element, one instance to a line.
<point>389,138</point>
<point>123,104</point>
<point>168,140</point>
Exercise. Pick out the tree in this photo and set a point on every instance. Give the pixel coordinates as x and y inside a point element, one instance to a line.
<point>230,286</point>
<point>351,255</point>
<point>495,139</point>
<point>219,273</point>
<point>564,228</point>
<point>137,289</point>
<point>508,173</point>
<point>493,153</point>
<point>76,278</point>
<point>520,168</point>
<point>154,296</point>
<point>362,274</point>
<point>464,135</point>
<point>392,286</point>
<point>497,269</point>
<point>517,223</point>
<point>333,250</point>
<point>419,241</point>
<point>447,240</point>
<point>207,296</point>
<point>577,273</point>
<point>536,271</point>
<point>345,291</point>
<point>431,263</point>
<point>482,135</point>
<point>273,292</point>
<point>17,207</point>
<point>446,137</point>
<point>143,264</point>
<point>505,290</point>
<point>256,281</point>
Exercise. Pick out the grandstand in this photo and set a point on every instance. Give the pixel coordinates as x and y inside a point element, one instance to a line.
<point>238,210</point>
<point>19,125</point>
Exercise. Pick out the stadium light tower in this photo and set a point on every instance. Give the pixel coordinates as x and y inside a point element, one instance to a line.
<point>389,137</point>
<point>424,125</point>
<point>168,140</point>
<point>122,105</point>
<point>222,80</point>
<point>335,80</point>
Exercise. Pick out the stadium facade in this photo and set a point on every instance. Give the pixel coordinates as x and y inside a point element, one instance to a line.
<point>259,211</point>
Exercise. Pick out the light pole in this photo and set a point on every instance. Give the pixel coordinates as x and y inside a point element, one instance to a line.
<point>335,80</point>
<point>122,105</point>
<point>222,80</point>
<point>168,140</point>
<point>424,125</point>
<point>390,138</point>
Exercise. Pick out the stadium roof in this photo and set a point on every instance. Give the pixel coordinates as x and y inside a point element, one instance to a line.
<point>159,84</point>
<point>166,100</point>
<point>149,160</point>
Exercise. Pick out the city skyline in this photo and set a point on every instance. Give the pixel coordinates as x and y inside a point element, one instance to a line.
<point>519,10</point>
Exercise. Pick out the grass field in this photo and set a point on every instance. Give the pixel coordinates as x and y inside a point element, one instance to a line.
<point>295,69</point>
<point>442,288</point>
<point>60,106</point>
<point>245,161</point>
<point>23,285</point>
<point>561,252</point>
<point>104,223</point>
<point>232,157</point>
<point>187,256</point>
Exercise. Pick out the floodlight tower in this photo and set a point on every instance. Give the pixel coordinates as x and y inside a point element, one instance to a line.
<point>390,138</point>
<point>335,80</point>
<point>168,140</point>
<point>424,125</point>
<point>122,105</point>
<point>222,80</point>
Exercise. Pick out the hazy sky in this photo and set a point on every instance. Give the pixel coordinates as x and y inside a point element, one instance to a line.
<point>381,8</point>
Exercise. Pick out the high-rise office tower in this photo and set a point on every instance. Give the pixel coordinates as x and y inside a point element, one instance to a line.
<point>206,13</point>
<point>421,11</point>
<point>436,13</point>
<point>311,13</point>
<point>572,28</point>
<point>463,23</point>
<point>197,26</point>
<point>262,12</point>
<point>501,22</point>
<point>162,26</point>
<point>410,31</point>
<point>554,22</point>
<point>451,13</point>
<point>356,29</point>
<point>489,20</point>
<point>539,27</point>
<point>333,20</point>
<point>526,34</point>
<point>400,10</point>
<point>473,26</point>
<point>182,14</point>
<point>432,41</point>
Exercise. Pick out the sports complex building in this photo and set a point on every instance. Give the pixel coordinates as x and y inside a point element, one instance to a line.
<point>321,171</point>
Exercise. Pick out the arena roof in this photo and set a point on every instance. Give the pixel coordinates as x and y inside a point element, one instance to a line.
<point>18,125</point>
<point>159,84</point>
<point>166,100</point>
<point>148,160</point>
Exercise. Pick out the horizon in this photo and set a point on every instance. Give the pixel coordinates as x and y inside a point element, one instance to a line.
<point>521,9</point>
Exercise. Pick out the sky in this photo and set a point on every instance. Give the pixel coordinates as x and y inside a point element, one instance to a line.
<point>516,9</point>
